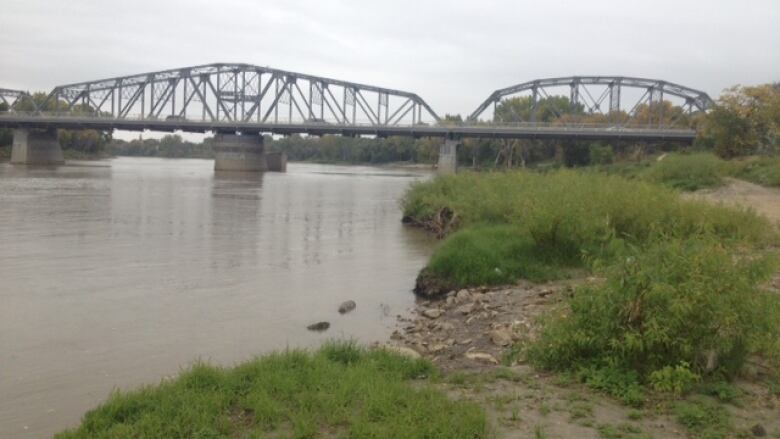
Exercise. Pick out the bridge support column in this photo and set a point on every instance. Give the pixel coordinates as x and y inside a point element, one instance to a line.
<point>448,156</point>
<point>36,147</point>
<point>276,161</point>
<point>241,153</point>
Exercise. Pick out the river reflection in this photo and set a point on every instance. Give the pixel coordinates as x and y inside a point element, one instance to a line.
<point>118,273</point>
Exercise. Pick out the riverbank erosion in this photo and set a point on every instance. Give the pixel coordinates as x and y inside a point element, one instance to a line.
<point>658,314</point>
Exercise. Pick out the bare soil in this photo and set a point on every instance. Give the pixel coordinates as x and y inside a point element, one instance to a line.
<point>763,200</point>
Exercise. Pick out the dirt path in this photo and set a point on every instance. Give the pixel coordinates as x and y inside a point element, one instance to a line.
<point>765,201</point>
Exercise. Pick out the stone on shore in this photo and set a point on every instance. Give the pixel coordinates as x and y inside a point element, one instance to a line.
<point>481,356</point>
<point>319,326</point>
<point>432,313</point>
<point>347,306</point>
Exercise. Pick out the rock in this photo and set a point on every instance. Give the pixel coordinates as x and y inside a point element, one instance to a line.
<point>437,348</point>
<point>500,337</point>
<point>463,296</point>
<point>481,356</point>
<point>432,313</point>
<point>546,292</point>
<point>429,285</point>
<point>450,300</point>
<point>319,326</point>
<point>446,326</point>
<point>758,430</point>
<point>466,341</point>
<point>347,306</point>
<point>465,309</point>
<point>402,351</point>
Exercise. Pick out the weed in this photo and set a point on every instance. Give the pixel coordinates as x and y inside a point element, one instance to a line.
<point>704,418</point>
<point>689,172</point>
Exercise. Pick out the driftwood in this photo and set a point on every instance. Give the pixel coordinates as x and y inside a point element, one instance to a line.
<point>441,224</point>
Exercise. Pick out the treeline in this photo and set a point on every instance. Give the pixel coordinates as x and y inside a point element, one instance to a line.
<point>169,146</point>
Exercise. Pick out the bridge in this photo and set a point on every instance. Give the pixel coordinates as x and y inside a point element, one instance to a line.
<point>241,102</point>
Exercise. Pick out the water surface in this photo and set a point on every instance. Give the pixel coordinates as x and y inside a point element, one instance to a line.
<point>118,273</point>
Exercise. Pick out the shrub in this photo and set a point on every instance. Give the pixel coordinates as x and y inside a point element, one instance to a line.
<point>665,306</point>
<point>689,172</point>
<point>601,154</point>
<point>678,379</point>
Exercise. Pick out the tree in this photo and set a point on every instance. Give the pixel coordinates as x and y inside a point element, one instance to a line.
<point>745,120</point>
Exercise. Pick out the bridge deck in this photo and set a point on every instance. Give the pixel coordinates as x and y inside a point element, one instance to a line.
<point>458,131</point>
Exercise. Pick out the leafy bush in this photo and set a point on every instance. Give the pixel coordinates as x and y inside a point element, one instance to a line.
<point>672,303</point>
<point>678,379</point>
<point>601,154</point>
<point>689,172</point>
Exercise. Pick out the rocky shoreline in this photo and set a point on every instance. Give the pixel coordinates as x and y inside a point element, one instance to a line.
<point>474,328</point>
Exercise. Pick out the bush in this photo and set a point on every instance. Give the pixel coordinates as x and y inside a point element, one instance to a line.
<point>678,379</point>
<point>668,305</point>
<point>689,172</point>
<point>601,154</point>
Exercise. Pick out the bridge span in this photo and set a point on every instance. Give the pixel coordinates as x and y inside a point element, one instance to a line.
<point>240,102</point>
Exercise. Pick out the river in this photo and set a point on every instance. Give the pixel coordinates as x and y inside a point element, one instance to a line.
<point>118,273</point>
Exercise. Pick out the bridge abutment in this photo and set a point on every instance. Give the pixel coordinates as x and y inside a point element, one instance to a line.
<point>239,153</point>
<point>448,156</point>
<point>36,147</point>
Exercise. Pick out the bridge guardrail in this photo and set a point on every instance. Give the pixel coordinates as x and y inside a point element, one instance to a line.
<point>480,124</point>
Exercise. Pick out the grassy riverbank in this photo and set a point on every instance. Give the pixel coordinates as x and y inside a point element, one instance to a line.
<point>523,225</point>
<point>341,390</point>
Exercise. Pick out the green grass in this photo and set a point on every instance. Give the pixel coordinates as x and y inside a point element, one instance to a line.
<point>689,172</point>
<point>542,226</point>
<point>341,390</point>
<point>704,418</point>
<point>764,171</point>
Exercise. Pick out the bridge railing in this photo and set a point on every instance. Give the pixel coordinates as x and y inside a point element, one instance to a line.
<point>174,120</point>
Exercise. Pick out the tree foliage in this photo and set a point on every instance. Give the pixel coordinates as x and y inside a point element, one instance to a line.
<point>745,120</point>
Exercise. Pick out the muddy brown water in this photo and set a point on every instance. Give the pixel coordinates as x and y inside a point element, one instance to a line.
<point>118,273</point>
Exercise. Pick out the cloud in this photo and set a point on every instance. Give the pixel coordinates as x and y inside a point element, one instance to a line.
<point>451,53</point>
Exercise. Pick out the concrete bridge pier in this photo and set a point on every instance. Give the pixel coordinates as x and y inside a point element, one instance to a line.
<point>448,156</point>
<point>36,147</point>
<point>245,153</point>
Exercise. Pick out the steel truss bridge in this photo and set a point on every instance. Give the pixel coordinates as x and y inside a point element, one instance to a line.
<point>253,99</point>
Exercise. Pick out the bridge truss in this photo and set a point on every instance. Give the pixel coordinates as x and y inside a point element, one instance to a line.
<point>14,97</point>
<point>242,93</point>
<point>619,98</point>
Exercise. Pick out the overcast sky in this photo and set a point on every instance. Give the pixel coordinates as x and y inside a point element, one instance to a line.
<point>452,53</point>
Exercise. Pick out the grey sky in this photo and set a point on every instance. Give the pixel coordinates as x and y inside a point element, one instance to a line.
<point>451,53</point>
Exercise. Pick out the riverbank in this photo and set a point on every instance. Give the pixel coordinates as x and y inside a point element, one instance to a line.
<point>544,340</point>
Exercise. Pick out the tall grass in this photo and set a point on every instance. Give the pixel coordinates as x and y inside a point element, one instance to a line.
<point>528,225</point>
<point>689,172</point>
<point>764,171</point>
<point>341,390</point>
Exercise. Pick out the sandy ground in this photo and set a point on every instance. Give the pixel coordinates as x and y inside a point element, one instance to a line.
<point>765,201</point>
<point>470,332</point>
